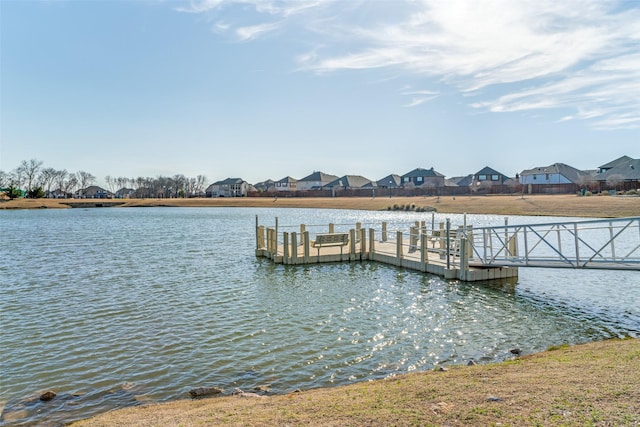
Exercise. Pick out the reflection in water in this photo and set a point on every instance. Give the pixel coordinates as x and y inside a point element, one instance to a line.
<point>113,307</point>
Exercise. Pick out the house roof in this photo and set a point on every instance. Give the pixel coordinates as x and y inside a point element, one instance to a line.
<point>287,179</point>
<point>319,177</point>
<point>350,181</point>
<point>627,171</point>
<point>422,172</point>
<point>229,181</point>
<point>93,190</point>
<point>395,180</point>
<point>614,163</point>
<point>490,171</point>
<point>569,172</point>
<point>460,181</point>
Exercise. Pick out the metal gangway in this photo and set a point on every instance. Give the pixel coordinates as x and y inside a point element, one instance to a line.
<point>603,244</point>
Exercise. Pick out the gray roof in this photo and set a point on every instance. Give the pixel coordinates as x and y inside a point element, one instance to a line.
<point>422,172</point>
<point>319,177</point>
<point>287,179</point>
<point>489,171</point>
<point>350,181</point>
<point>614,163</point>
<point>395,180</point>
<point>627,171</point>
<point>460,181</point>
<point>229,181</point>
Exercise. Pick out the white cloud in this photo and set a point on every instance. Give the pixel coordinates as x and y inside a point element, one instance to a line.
<point>253,31</point>
<point>507,55</point>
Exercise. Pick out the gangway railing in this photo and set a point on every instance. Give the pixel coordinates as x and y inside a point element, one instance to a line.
<point>605,244</point>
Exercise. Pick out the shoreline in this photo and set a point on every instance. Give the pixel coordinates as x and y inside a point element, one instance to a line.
<point>533,205</point>
<point>595,383</point>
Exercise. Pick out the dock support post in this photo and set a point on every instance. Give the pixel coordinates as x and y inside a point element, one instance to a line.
<point>260,238</point>
<point>305,238</point>
<point>285,255</point>
<point>372,246</point>
<point>448,231</point>
<point>464,260</point>
<point>413,238</point>
<point>352,244</point>
<point>303,228</point>
<point>257,234</point>
<point>269,244</point>
<point>363,243</point>
<point>399,247</point>
<point>294,248</point>
<point>331,228</point>
<point>424,256</point>
<point>384,231</point>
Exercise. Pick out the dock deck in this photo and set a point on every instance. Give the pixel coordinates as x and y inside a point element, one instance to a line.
<point>428,251</point>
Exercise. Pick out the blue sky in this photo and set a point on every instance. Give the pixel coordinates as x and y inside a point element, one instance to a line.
<point>266,89</point>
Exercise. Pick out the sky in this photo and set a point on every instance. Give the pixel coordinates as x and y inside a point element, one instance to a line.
<point>267,89</point>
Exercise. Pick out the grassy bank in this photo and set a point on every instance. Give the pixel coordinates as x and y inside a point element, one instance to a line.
<point>551,205</point>
<point>590,384</point>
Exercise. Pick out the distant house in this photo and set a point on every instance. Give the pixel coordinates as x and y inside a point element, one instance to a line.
<point>125,193</point>
<point>59,194</point>
<point>286,184</point>
<point>230,187</point>
<point>349,182</point>
<point>623,172</point>
<point>459,181</point>
<point>487,176</point>
<point>390,181</point>
<point>268,185</point>
<point>557,173</point>
<point>420,176</point>
<point>315,181</point>
<point>93,192</point>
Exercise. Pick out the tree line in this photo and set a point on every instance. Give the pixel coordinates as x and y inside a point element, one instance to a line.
<point>31,179</point>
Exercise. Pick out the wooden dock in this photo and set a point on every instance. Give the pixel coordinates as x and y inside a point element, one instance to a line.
<point>436,251</point>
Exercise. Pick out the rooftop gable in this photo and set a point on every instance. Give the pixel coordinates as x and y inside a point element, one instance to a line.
<point>422,172</point>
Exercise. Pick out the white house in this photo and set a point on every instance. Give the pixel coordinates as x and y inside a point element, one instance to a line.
<point>557,173</point>
<point>286,184</point>
<point>230,187</point>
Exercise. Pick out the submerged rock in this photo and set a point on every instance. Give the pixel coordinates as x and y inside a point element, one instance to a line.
<point>48,395</point>
<point>204,391</point>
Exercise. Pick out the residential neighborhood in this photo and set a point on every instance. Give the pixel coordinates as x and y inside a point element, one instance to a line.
<point>612,176</point>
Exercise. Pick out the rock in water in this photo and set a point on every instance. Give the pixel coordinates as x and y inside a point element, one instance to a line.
<point>48,395</point>
<point>204,391</point>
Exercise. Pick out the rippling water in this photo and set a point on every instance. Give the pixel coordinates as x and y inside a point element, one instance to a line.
<point>122,306</point>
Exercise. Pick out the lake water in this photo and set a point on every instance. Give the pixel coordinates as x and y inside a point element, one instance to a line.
<point>120,306</point>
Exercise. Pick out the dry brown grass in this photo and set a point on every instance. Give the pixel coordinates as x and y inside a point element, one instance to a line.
<point>590,384</point>
<point>552,205</point>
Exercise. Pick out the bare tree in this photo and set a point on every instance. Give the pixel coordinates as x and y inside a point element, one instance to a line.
<point>29,169</point>
<point>85,179</point>
<point>67,181</point>
<point>614,180</point>
<point>4,179</point>
<point>46,179</point>
<point>201,182</point>
<point>112,183</point>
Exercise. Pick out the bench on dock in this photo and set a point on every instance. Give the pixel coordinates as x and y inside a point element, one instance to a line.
<point>331,239</point>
